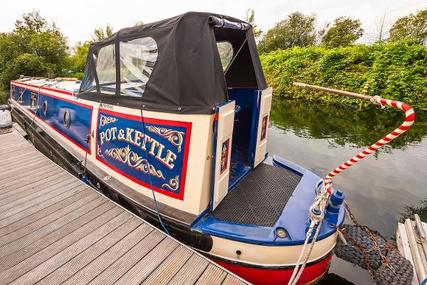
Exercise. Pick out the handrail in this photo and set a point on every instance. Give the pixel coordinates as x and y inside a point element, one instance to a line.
<point>406,125</point>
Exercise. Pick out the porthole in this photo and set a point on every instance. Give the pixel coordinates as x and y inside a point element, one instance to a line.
<point>45,108</point>
<point>67,119</point>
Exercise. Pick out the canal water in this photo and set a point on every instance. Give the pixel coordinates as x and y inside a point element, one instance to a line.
<point>380,188</point>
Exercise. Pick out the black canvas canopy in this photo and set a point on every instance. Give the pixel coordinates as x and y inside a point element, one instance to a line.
<point>173,65</point>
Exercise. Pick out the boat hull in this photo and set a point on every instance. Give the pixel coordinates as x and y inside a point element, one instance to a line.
<point>313,272</point>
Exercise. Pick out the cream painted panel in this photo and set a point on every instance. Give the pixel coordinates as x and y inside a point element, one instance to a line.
<point>269,255</point>
<point>261,143</point>
<point>224,141</point>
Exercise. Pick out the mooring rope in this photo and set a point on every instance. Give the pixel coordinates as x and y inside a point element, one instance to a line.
<point>327,181</point>
<point>406,125</point>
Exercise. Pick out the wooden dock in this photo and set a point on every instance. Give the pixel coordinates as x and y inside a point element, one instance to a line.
<point>54,229</point>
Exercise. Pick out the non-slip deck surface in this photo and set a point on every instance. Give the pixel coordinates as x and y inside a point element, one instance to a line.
<point>56,230</point>
<point>260,198</point>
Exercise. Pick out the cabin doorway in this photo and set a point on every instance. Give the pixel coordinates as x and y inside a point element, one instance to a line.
<point>235,51</point>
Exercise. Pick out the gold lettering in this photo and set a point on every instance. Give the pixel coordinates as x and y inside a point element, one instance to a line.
<point>129,135</point>
<point>154,143</point>
<point>102,137</point>
<point>121,136</point>
<point>169,159</point>
<point>137,137</point>
<point>113,132</point>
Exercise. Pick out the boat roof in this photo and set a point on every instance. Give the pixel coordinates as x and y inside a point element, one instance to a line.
<point>178,67</point>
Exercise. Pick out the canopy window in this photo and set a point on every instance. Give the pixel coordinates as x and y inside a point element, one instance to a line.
<point>176,65</point>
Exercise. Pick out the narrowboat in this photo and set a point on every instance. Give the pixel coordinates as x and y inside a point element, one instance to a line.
<point>171,119</point>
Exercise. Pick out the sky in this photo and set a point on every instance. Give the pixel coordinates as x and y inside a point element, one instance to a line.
<point>78,18</point>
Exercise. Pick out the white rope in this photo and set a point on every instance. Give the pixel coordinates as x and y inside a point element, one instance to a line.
<point>316,214</point>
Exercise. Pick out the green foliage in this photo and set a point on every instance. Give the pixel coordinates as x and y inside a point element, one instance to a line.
<point>411,27</point>
<point>344,31</point>
<point>392,70</point>
<point>296,30</point>
<point>78,58</point>
<point>250,18</point>
<point>35,47</point>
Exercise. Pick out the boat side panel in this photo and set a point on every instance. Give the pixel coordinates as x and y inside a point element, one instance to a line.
<point>80,114</point>
<point>150,152</point>
<point>195,194</point>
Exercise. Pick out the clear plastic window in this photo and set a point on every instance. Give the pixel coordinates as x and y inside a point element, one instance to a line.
<point>226,53</point>
<point>106,69</point>
<point>137,60</point>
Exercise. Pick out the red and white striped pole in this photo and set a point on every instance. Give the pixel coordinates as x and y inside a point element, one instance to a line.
<point>406,125</point>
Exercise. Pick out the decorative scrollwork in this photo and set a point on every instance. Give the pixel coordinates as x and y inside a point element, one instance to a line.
<point>133,160</point>
<point>105,120</point>
<point>174,137</point>
<point>173,184</point>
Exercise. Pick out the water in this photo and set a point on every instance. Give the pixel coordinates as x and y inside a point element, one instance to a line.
<point>379,188</point>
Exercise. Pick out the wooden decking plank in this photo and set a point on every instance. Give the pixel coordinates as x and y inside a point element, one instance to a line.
<point>169,267</point>
<point>93,269</point>
<point>213,275</point>
<point>37,223</point>
<point>148,263</point>
<point>128,260</point>
<point>7,147</point>
<point>191,271</point>
<point>11,164</point>
<point>43,181</point>
<point>76,228</point>
<point>20,156</point>
<point>8,187</point>
<point>12,183</point>
<point>9,155</point>
<point>17,224</point>
<point>56,230</point>
<point>6,172</point>
<point>41,195</point>
<point>24,241</point>
<point>17,214</point>
<point>232,280</point>
<point>26,265</point>
<point>37,273</point>
<point>81,260</point>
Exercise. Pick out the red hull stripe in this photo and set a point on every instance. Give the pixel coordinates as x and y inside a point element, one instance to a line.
<point>261,276</point>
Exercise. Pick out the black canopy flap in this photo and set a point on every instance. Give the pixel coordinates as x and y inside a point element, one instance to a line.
<point>171,65</point>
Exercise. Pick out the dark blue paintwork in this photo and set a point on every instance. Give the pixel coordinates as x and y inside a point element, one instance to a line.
<point>80,115</point>
<point>80,118</point>
<point>294,217</point>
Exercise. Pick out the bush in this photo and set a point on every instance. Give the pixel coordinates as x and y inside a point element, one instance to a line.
<point>392,70</point>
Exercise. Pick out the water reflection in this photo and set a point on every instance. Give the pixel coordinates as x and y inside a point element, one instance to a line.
<point>343,125</point>
<point>379,188</point>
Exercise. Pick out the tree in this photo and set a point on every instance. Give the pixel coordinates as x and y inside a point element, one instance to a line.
<point>34,47</point>
<point>102,33</point>
<point>296,30</point>
<point>250,18</point>
<point>78,58</point>
<point>411,27</point>
<point>343,31</point>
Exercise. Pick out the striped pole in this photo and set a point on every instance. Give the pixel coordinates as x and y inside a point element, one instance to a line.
<point>406,125</point>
